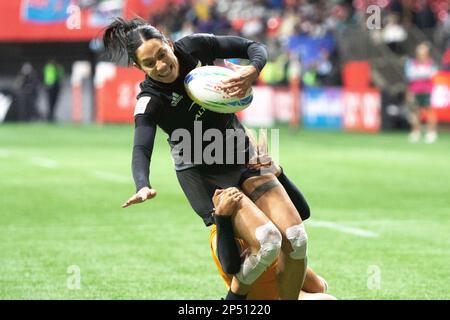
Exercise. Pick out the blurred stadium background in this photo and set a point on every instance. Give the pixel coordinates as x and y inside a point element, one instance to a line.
<point>334,86</point>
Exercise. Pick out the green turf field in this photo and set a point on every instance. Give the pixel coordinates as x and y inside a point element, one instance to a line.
<point>379,229</point>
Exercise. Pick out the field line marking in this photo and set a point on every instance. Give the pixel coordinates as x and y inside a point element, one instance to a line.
<point>4,153</point>
<point>44,162</point>
<point>344,229</point>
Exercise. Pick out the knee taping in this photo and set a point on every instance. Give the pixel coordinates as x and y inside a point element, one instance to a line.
<point>254,265</point>
<point>270,239</point>
<point>299,241</point>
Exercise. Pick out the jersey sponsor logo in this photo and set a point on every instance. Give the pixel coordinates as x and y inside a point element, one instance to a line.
<point>175,99</point>
<point>141,105</point>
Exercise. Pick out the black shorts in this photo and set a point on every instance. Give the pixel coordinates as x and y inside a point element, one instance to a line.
<point>199,184</point>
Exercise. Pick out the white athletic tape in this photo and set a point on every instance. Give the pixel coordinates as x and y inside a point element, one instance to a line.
<point>251,269</point>
<point>254,265</point>
<point>299,241</point>
<point>141,105</point>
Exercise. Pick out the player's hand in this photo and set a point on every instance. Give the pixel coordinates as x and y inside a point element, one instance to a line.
<point>239,85</point>
<point>264,162</point>
<point>142,195</point>
<point>262,159</point>
<point>226,201</point>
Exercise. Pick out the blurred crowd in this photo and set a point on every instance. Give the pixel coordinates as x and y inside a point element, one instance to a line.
<point>27,86</point>
<point>300,34</point>
<point>294,31</point>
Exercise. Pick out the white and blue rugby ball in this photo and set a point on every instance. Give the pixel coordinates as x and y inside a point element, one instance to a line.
<point>200,85</point>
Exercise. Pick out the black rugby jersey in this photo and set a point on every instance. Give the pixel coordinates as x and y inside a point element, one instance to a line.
<point>168,106</point>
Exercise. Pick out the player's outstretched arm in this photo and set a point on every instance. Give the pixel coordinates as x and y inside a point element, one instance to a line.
<point>142,195</point>
<point>144,137</point>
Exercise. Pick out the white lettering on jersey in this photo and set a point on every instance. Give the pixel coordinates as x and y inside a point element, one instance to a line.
<point>141,105</point>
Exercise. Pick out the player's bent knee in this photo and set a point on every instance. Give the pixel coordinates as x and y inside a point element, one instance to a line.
<point>270,240</point>
<point>299,241</point>
<point>254,265</point>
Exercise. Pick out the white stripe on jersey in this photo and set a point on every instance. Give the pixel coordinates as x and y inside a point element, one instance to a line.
<point>141,105</point>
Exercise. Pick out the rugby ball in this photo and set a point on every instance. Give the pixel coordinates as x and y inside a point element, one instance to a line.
<point>200,85</point>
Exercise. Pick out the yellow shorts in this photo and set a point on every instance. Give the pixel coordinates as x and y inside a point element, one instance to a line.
<point>264,288</point>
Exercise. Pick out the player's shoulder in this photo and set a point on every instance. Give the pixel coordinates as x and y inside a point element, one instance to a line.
<point>142,103</point>
<point>195,40</point>
<point>148,101</point>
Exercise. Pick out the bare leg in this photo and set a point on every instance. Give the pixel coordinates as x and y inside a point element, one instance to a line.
<point>313,284</point>
<point>246,220</point>
<point>313,288</point>
<point>431,134</point>
<point>414,118</point>
<point>291,276</point>
<point>431,120</point>
<point>414,136</point>
<point>276,204</point>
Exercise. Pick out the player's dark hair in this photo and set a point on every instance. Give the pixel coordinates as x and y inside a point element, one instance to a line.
<point>123,37</point>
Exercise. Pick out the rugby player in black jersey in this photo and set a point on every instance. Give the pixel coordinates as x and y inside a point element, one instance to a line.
<point>273,228</point>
